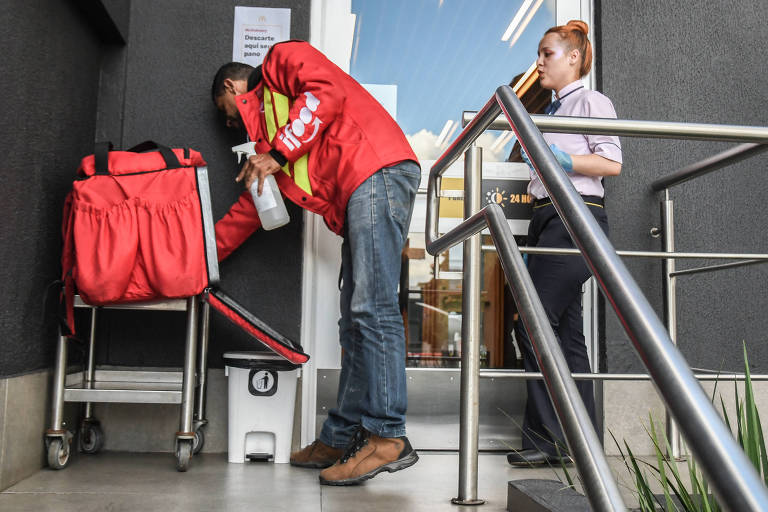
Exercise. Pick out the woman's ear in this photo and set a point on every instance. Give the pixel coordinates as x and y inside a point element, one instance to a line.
<point>574,57</point>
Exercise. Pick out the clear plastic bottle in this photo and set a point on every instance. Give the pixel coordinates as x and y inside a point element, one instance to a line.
<point>269,204</point>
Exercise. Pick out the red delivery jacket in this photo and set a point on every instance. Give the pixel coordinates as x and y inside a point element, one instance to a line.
<point>333,133</point>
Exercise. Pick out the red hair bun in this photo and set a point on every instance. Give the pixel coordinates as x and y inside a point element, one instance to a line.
<point>574,33</point>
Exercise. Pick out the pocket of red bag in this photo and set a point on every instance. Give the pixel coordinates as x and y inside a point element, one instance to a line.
<point>106,241</point>
<point>172,246</point>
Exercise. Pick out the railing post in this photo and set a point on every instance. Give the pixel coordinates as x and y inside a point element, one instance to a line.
<point>670,305</point>
<point>470,334</point>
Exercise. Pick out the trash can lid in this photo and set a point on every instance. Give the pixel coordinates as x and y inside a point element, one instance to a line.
<point>260,360</point>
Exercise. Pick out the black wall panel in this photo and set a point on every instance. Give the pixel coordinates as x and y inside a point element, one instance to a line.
<point>48,94</point>
<point>695,61</point>
<point>65,84</point>
<point>174,49</point>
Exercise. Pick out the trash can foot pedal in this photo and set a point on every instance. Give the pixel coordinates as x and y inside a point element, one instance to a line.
<point>259,457</point>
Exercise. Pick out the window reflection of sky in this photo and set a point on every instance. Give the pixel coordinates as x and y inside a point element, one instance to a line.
<point>445,56</point>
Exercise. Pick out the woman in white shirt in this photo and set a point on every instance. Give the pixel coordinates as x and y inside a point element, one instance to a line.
<point>565,56</point>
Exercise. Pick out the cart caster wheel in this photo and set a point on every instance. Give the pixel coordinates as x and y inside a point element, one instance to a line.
<point>183,454</point>
<point>58,453</point>
<point>91,438</point>
<point>199,441</point>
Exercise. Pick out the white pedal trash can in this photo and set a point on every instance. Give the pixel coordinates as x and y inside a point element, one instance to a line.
<point>262,397</point>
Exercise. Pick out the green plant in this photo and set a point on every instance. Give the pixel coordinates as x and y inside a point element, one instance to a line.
<point>694,495</point>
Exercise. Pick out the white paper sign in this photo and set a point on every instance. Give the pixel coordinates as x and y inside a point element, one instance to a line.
<point>256,30</point>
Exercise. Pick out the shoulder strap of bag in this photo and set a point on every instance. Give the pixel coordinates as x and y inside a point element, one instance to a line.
<point>101,157</point>
<point>168,155</point>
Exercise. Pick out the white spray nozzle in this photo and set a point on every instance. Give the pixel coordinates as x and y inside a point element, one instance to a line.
<point>247,149</point>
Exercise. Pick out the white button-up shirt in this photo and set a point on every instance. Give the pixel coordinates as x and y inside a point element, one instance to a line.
<point>581,103</point>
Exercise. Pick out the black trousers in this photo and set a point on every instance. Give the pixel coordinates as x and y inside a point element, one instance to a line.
<point>558,281</point>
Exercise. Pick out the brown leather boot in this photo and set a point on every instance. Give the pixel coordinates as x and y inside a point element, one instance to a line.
<point>368,455</point>
<point>317,455</point>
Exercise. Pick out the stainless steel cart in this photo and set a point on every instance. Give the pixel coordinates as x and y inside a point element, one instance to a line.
<point>143,385</point>
<point>186,387</point>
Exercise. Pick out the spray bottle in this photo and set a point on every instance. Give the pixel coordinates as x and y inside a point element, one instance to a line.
<point>269,204</point>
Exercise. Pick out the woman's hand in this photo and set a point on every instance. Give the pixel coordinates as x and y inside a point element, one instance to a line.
<point>588,165</point>
<point>563,158</point>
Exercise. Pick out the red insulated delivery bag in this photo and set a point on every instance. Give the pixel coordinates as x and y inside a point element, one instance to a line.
<point>137,226</point>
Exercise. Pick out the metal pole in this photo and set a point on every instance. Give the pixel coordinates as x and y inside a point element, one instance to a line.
<point>202,376</point>
<point>648,254</point>
<point>188,381</point>
<point>585,447</point>
<point>713,163</point>
<point>669,286</point>
<point>732,476</point>
<point>60,373</point>
<point>714,268</point>
<point>470,337</point>
<point>91,368</point>
<point>462,143</point>
<point>709,377</point>
<point>633,128</point>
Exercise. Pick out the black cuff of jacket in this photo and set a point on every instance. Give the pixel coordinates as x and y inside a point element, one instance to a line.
<point>278,156</point>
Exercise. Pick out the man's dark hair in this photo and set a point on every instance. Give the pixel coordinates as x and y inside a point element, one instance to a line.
<point>233,71</point>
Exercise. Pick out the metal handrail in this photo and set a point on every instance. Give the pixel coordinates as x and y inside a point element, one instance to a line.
<point>581,437</point>
<point>645,254</point>
<point>713,163</point>
<point>708,377</point>
<point>580,434</point>
<point>745,259</point>
<point>634,128</point>
<point>733,478</point>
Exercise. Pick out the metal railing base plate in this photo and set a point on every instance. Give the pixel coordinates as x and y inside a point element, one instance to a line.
<point>459,501</point>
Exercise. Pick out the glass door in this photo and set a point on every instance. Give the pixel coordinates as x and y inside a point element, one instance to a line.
<point>427,62</point>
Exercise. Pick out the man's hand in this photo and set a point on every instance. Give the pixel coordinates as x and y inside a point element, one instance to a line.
<point>257,167</point>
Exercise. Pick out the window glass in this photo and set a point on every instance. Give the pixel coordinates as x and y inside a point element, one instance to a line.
<point>433,59</point>
<point>427,61</point>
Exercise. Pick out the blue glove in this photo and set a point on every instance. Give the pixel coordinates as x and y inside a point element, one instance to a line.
<point>563,158</point>
<point>524,155</point>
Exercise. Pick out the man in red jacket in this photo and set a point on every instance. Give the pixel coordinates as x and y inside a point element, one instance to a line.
<point>335,151</point>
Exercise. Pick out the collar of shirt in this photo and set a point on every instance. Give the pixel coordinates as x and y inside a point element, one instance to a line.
<point>569,88</point>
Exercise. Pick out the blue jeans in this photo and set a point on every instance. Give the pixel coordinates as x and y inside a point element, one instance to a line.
<point>372,390</point>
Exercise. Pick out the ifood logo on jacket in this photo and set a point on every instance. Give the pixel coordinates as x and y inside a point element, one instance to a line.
<point>298,127</point>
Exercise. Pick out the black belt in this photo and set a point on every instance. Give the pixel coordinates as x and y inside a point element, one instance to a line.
<point>590,200</point>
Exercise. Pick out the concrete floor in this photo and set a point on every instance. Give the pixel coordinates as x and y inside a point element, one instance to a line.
<point>117,482</point>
